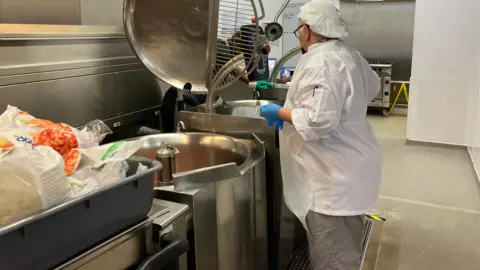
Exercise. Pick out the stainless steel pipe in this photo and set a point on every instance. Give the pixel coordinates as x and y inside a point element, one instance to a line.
<point>282,61</point>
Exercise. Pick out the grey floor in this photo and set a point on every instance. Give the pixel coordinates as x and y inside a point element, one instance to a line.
<point>431,199</point>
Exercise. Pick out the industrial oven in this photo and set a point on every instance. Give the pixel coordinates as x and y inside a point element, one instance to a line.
<point>384,71</point>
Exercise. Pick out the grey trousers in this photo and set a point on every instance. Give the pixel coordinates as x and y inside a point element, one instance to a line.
<point>335,243</point>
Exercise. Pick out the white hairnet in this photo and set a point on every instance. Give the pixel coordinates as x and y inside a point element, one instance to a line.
<point>324,18</point>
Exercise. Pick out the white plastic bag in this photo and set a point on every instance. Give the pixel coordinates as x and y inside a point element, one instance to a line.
<point>101,166</point>
<point>91,178</point>
<point>112,152</point>
<point>31,179</point>
<point>19,197</point>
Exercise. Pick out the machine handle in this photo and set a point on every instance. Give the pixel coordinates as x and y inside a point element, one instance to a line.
<point>167,255</point>
<point>262,9</point>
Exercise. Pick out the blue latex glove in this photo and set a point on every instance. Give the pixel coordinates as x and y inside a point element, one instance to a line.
<point>263,85</point>
<point>278,124</point>
<point>270,111</point>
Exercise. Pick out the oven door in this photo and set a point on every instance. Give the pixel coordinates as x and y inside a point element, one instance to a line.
<point>169,256</point>
<point>382,100</point>
<point>379,96</point>
<point>159,242</point>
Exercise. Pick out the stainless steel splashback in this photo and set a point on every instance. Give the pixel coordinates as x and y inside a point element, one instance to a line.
<point>381,30</point>
<point>75,74</point>
<point>65,12</point>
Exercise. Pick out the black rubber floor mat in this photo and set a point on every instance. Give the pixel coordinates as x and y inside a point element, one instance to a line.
<point>300,260</point>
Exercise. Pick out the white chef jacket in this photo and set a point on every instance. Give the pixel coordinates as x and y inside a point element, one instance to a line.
<point>336,158</point>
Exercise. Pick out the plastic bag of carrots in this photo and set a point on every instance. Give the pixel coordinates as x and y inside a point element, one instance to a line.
<point>59,136</point>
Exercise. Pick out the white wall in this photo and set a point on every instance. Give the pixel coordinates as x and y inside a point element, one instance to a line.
<point>473,127</point>
<point>474,140</point>
<point>445,72</point>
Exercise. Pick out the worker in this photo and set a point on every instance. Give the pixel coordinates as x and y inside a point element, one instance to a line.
<point>331,161</point>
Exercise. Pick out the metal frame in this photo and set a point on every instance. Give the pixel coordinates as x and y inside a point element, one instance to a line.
<point>214,9</point>
<point>371,241</point>
<point>232,63</point>
<point>214,82</point>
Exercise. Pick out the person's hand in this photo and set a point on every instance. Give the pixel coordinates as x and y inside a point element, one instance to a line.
<point>270,111</point>
<point>263,86</point>
<point>278,124</point>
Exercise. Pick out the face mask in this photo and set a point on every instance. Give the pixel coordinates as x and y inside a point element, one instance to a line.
<point>304,51</point>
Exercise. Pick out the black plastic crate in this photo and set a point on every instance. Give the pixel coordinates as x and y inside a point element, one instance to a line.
<point>50,238</point>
